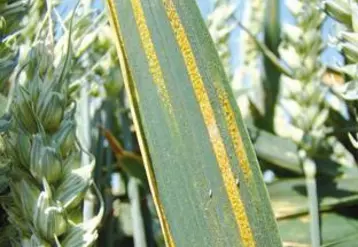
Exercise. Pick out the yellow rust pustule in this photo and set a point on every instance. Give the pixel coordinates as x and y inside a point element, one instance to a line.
<point>211,125</point>
<point>152,183</point>
<point>235,134</point>
<point>149,49</point>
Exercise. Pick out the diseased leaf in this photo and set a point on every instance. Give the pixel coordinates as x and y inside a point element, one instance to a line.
<point>203,172</point>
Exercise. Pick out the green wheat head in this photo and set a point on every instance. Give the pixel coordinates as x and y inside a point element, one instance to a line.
<point>346,13</point>
<point>47,181</point>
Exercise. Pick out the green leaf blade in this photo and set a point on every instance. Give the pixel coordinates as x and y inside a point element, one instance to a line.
<point>209,183</point>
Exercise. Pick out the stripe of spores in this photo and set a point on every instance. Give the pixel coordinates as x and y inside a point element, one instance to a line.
<point>210,122</point>
<point>234,133</point>
<point>119,42</point>
<point>153,62</point>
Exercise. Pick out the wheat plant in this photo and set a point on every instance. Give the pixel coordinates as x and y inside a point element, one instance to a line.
<point>47,182</point>
<point>150,87</point>
<point>345,13</point>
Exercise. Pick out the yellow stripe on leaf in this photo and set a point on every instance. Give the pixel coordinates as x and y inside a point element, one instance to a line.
<point>235,134</point>
<point>148,46</point>
<point>210,122</point>
<point>151,178</point>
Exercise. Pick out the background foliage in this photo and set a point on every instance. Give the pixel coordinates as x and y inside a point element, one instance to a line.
<point>292,68</point>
